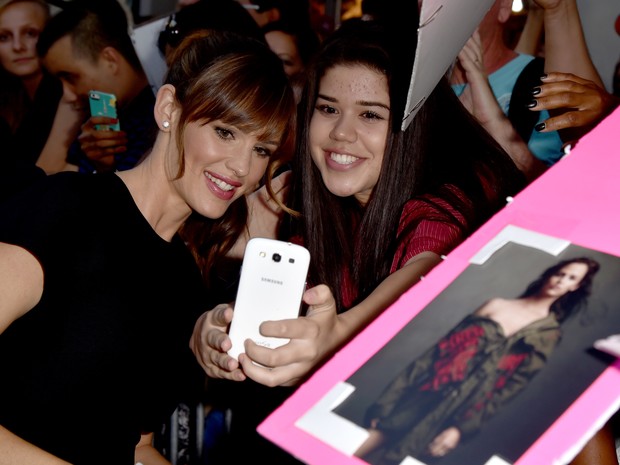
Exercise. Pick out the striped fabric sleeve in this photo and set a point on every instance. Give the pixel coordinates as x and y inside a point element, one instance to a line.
<point>437,232</point>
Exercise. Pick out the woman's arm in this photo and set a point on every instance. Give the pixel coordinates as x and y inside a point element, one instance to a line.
<point>21,286</point>
<point>318,335</point>
<point>146,454</point>
<point>314,337</point>
<point>599,450</point>
<point>14,450</point>
<point>566,50</point>
<point>531,34</point>
<point>478,98</point>
<point>21,283</point>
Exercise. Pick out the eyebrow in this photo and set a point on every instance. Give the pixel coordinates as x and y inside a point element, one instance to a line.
<point>366,103</point>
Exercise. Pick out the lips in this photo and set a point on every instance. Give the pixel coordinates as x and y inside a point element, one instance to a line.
<point>223,188</point>
<point>220,183</point>
<point>341,161</point>
<point>23,60</point>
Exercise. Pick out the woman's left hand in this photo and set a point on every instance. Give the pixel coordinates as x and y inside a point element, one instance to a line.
<point>313,338</point>
<point>210,344</point>
<point>582,102</point>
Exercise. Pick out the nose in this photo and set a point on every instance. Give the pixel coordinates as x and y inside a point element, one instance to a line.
<point>18,43</point>
<point>343,130</point>
<point>240,163</point>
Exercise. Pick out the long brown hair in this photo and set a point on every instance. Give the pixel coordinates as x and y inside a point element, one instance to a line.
<point>236,79</point>
<point>444,153</point>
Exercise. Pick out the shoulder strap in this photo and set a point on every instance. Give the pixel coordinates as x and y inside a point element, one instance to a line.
<point>522,118</point>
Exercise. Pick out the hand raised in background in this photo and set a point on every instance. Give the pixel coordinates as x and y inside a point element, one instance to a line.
<point>582,102</point>
<point>100,146</point>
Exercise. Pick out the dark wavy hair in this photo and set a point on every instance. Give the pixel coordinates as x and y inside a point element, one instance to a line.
<point>571,302</point>
<point>221,75</point>
<point>444,152</point>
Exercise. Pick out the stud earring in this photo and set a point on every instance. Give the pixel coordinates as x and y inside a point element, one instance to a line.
<point>166,124</point>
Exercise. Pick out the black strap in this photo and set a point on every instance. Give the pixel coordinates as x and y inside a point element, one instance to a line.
<point>522,118</point>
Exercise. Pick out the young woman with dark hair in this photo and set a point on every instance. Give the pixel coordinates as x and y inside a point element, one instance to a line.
<point>445,395</point>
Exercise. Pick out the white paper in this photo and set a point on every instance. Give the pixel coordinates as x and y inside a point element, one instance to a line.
<point>445,26</point>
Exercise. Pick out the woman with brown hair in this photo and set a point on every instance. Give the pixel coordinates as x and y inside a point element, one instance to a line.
<point>100,291</point>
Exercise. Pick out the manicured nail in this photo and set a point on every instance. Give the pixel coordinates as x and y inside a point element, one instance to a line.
<point>543,77</point>
<point>540,127</point>
<point>536,90</point>
<point>532,103</point>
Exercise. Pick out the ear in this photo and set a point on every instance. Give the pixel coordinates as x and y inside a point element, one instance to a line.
<point>111,59</point>
<point>166,109</point>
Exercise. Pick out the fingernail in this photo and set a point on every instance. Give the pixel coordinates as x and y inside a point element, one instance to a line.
<point>536,91</point>
<point>540,127</point>
<point>543,77</point>
<point>532,103</point>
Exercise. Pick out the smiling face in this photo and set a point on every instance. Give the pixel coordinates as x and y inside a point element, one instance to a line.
<point>222,163</point>
<point>20,26</point>
<point>566,279</point>
<point>349,128</point>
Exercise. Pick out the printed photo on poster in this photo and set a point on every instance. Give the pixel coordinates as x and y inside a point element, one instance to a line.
<point>487,367</point>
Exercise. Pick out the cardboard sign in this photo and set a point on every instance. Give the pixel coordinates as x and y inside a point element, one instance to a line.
<point>436,51</point>
<point>570,211</point>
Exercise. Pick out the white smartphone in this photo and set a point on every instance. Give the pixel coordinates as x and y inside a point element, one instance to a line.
<point>271,286</point>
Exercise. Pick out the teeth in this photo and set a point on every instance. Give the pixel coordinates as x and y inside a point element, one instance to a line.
<point>221,184</point>
<point>342,159</point>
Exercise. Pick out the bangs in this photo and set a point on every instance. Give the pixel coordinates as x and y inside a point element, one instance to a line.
<point>258,109</point>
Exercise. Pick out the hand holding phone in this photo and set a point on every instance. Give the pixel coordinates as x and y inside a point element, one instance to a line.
<point>103,104</point>
<point>272,283</point>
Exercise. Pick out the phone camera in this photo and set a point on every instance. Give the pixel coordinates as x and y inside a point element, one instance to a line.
<point>276,257</point>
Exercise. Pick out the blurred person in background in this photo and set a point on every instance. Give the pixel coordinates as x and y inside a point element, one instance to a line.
<point>35,122</point>
<point>295,44</point>
<point>227,15</point>
<point>88,47</point>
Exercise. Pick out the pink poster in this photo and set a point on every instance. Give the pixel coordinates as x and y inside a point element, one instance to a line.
<point>550,389</point>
